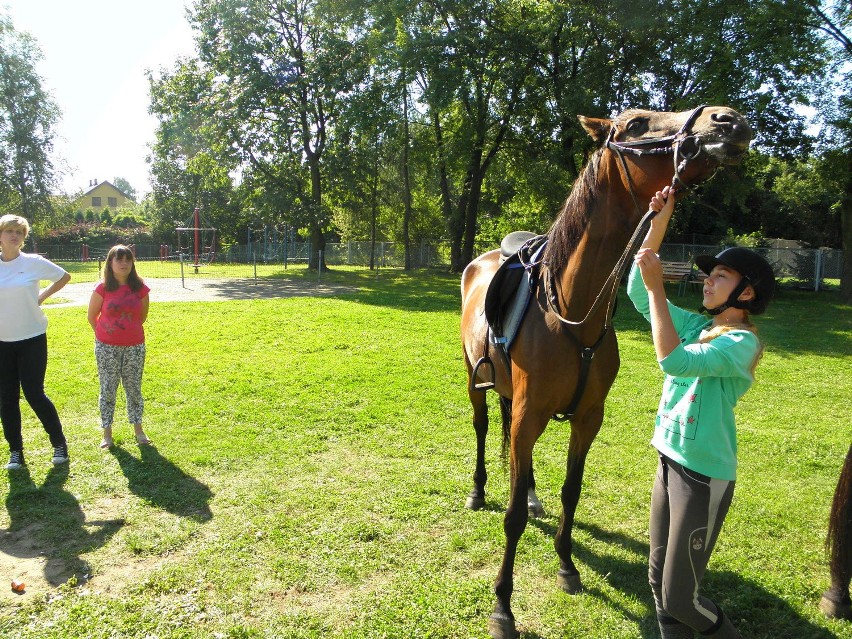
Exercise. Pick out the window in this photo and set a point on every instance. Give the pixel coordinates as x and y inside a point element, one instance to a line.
<point>111,201</point>
<point>96,201</point>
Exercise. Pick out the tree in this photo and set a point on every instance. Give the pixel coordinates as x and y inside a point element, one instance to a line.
<point>358,117</point>
<point>283,72</point>
<point>27,118</point>
<point>834,20</point>
<point>191,165</point>
<point>124,186</point>
<point>474,60</point>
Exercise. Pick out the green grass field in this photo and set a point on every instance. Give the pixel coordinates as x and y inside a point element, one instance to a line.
<point>311,464</point>
<point>153,268</point>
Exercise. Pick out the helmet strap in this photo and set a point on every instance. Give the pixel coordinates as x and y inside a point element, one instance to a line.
<point>732,301</point>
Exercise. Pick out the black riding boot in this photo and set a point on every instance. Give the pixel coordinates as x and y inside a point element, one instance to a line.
<point>722,629</point>
<point>671,628</point>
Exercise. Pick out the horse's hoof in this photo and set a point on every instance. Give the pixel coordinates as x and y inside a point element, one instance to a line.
<point>502,627</point>
<point>569,582</point>
<point>835,610</point>
<point>474,502</point>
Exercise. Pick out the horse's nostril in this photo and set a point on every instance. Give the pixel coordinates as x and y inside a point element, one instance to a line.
<point>722,118</point>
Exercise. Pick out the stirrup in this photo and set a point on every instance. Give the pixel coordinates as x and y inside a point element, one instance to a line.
<point>482,386</point>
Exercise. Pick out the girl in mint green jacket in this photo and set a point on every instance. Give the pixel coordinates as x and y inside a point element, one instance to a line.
<point>709,364</point>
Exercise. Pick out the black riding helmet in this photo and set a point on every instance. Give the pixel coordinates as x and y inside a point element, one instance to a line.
<point>755,271</point>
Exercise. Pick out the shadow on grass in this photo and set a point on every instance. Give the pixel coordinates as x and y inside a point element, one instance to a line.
<point>428,290</point>
<point>267,288</point>
<point>161,483</point>
<point>828,321</point>
<point>757,613</point>
<point>47,521</point>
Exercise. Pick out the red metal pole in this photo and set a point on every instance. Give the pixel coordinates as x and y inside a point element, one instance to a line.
<point>196,236</point>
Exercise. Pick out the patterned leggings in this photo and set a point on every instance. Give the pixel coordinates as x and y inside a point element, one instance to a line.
<point>120,364</point>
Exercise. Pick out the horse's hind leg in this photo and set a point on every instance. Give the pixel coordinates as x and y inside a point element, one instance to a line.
<point>533,503</point>
<point>476,498</point>
<point>836,602</point>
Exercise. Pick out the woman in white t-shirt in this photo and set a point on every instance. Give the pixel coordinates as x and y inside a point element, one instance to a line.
<point>23,339</point>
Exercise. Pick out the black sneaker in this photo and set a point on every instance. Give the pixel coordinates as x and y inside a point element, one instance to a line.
<point>60,454</point>
<point>16,460</point>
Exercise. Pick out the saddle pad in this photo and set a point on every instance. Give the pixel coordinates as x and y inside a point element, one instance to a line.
<point>513,314</point>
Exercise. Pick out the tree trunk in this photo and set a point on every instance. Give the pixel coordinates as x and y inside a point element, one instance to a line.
<point>317,237</point>
<point>446,198</point>
<point>846,232</point>
<point>406,181</point>
<point>374,211</point>
<point>456,227</point>
<point>317,249</point>
<point>470,215</point>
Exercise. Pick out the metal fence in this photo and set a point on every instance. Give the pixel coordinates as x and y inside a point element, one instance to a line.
<point>812,269</point>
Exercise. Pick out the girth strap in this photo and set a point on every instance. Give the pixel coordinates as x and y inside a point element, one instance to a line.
<point>587,353</point>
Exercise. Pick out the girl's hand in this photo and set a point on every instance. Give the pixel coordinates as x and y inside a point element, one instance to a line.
<point>651,268</point>
<point>663,202</point>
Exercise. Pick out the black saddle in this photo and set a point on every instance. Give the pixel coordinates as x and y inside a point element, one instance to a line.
<point>521,253</point>
<point>507,299</point>
<point>513,242</point>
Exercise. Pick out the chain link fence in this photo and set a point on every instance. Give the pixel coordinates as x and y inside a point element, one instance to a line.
<point>813,269</point>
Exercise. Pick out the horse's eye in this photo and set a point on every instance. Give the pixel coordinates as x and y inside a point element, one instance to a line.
<point>637,126</point>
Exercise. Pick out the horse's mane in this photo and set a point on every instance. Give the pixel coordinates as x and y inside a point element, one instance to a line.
<point>840,523</point>
<point>567,229</point>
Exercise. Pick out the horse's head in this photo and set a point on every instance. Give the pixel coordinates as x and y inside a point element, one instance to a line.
<point>657,148</point>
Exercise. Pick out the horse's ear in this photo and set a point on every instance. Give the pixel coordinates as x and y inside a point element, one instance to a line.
<point>598,128</point>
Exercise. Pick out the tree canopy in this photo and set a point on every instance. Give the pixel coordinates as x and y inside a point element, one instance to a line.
<point>458,118</point>
<point>28,115</point>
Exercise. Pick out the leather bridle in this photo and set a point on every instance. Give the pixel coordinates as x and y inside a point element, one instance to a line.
<point>659,146</point>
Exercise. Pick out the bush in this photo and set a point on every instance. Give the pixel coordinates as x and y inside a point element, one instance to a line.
<point>99,235</point>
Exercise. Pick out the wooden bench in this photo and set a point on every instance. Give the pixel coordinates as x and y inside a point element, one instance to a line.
<point>684,273</point>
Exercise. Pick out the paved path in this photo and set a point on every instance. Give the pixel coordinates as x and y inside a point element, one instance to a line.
<point>208,290</point>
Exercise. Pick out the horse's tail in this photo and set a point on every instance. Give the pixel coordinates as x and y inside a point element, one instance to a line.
<point>839,540</point>
<point>506,418</point>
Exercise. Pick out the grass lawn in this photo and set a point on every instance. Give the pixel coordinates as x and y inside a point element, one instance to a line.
<point>313,456</point>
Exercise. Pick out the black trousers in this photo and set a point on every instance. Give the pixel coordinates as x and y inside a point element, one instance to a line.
<point>22,367</point>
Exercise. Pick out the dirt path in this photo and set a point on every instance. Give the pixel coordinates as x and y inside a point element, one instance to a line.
<point>208,290</point>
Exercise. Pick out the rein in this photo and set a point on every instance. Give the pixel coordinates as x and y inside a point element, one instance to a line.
<point>663,145</point>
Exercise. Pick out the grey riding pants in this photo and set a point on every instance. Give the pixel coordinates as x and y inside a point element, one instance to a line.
<point>687,512</point>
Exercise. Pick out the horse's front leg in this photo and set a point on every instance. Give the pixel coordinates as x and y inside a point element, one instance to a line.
<point>476,498</point>
<point>583,432</point>
<point>501,624</point>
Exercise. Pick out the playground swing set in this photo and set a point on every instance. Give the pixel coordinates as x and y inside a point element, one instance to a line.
<point>203,239</point>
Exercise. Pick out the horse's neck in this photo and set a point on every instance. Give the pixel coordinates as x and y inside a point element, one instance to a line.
<point>601,245</point>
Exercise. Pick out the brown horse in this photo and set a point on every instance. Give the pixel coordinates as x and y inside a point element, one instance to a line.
<point>565,355</point>
<point>835,601</point>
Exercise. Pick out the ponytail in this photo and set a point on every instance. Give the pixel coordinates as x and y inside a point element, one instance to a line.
<point>745,325</point>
